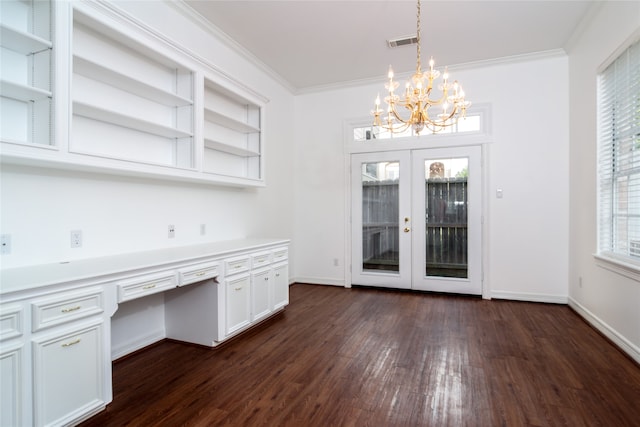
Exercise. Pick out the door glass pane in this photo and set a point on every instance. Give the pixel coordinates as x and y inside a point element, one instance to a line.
<point>380,184</point>
<point>446,217</point>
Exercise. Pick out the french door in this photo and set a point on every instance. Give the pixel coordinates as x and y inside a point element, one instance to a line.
<point>416,219</point>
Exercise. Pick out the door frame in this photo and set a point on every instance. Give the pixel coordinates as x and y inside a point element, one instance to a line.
<point>415,143</point>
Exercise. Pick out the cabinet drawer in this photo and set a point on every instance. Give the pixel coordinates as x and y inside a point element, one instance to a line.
<point>236,265</point>
<point>142,286</point>
<point>280,254</point>
<point>62,309</point>
<point>260,259</point>
<point>197,273</point>
<point>11,322</point>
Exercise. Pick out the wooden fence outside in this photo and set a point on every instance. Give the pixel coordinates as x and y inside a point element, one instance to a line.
<point>445,219</point>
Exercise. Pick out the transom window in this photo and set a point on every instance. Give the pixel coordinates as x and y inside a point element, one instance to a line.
<point>470,124</point>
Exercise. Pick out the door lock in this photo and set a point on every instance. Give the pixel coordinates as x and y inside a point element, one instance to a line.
<point>407,229</point>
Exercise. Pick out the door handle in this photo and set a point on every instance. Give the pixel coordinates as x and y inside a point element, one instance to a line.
<point>407,229</point>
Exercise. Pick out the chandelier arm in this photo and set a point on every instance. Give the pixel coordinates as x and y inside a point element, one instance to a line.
<point>392,109</point>
<point>437,101</point>
<point>396,129</point>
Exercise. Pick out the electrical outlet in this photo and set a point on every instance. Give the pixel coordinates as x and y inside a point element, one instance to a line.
<point>203,229</point>
<point>76,238</point>
<point>336,262</point>
<point>5,244</point>
<point>172,231</point>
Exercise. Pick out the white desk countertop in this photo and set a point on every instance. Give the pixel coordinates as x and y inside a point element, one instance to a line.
<point>35,276</point>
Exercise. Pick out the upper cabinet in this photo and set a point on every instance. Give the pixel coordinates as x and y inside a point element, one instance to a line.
<point>26,58</point>
<point>132,102</point>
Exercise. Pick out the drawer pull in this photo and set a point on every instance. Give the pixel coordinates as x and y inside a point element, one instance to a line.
<point>239,289</point>
<point>69,344</point>
<point>266,278</point>
<point>237,266</point>
<point>151,286</point>
<point>201,273</point>
<point>277,274</point>
<point>70,309</point>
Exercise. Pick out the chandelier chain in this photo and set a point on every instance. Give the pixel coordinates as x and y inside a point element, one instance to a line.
<point>418,64</point>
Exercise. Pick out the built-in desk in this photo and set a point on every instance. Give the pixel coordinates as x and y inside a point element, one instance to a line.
<point>55,329</point>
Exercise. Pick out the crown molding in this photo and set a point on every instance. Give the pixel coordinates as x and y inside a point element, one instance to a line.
<point>191,14</point>
<point>588,17</point>
<point>553,53</point>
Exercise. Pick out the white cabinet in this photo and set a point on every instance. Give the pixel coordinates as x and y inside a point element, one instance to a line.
<point>238,302</point>
<point>55,329</point>
<point>12,385</point>
<point>248,289</point>
<point>68,374</point>
<point>26,72</point>
<point>54,357</point>
<point>12,366</point>
<point>280,286</point>
<point>261,283</point>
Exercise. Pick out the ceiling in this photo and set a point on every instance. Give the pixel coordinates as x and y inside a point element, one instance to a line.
<point>312,44</point>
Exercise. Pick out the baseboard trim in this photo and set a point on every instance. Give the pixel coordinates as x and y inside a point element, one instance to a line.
<point>610,333</point>
<point>136,344</point>
<point>319,281</point>
<point>530,297</point>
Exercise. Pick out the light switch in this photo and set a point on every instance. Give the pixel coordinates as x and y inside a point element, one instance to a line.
<point>499,193</point>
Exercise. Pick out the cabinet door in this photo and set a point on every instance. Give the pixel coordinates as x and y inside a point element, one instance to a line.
<point>238,303</point>
<point>280,286</point>
<point>68,375</point>
<point>11,386</point>
<point>260,290</point>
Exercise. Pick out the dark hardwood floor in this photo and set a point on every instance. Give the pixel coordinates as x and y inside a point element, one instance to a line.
<point>371,357</point>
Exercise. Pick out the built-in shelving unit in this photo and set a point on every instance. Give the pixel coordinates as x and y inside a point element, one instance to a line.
<point>26,74</point>
<point>123,90</point>
<point>232,134</point>
<point>86,86</point>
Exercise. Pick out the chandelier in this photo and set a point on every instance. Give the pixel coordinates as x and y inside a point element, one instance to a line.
<point>417,99</point>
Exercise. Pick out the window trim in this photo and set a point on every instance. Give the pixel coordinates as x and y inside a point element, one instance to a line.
<point>622,264</point>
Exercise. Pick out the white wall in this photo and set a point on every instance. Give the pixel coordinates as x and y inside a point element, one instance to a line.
<point>123,214</point>
<point>527,239</point>
<point>609,300</point>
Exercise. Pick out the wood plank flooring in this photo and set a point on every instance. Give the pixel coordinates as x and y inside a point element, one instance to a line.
<point>372,357</point>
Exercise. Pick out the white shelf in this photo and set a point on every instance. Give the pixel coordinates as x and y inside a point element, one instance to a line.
<point>113,117</point>
<point>230,149</point>
<point>21,41</point>
<point>99,72</point>
<point>22,92</point>
<point>228,122</point>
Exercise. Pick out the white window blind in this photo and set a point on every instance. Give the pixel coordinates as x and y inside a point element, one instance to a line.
<point>619,156</point>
